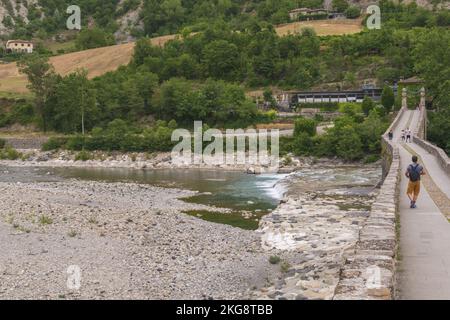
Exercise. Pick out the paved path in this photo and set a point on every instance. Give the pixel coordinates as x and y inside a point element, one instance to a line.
<point>424,271</point>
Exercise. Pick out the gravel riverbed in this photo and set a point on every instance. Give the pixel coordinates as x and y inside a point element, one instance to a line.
<point>130,242</point>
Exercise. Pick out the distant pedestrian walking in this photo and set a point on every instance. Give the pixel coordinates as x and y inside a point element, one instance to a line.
<point>403,135</point>
<point>391,135</point>
<point>408,135</point>
<point>414,173</point>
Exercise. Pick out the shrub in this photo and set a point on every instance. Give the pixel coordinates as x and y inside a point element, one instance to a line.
<point>54,144</point>
<point>387,98</point>
<point>352,12</point>
<point>274,260</point>
<point>340,5</point>
<point>44,220</point>
<point>318,117</point>
<point>303,144</point>
<point>285,266</point>
<point>83,156</point>
<point>350,109</point>
<point>349,146</point>
<point>75,143</point>
<point>8,153</point>
<point>307,126</point>
<point>72,233</point>
<point>371,158</point>
<point>367,105</point>
<point>22,113</point>
<point>2,143</point>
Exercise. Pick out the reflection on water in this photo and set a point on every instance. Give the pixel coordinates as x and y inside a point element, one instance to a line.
<point>229,189</point>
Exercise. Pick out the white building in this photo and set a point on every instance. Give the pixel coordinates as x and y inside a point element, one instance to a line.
<point>19,46</point>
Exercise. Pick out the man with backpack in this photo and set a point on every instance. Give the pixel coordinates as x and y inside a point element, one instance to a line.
<point>414,173</point>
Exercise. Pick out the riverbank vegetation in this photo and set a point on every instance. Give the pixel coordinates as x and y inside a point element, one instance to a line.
<point>8,153</point>
<point>353,137</point>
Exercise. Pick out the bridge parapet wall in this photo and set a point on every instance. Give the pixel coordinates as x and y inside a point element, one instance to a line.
<point>369,271</point>
<point>419,139</point>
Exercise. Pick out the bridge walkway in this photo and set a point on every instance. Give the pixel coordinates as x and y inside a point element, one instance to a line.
<point>424,268</point>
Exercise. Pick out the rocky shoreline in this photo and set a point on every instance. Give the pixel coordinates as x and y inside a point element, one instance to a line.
<point>143,161</point>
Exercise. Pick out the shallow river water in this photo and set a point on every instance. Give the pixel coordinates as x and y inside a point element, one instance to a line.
<point>247,196</point>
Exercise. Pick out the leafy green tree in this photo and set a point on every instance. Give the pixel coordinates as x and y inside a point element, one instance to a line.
<point>221,60</point>
<point>144,49</point>
<point>387,98</point>
<point>349,145</point>
<point>370,132</point>
<point>352,12</point>
<point>303,144</point>
<point>432,59</point>
<point>268,97</point>
<point>41,81</point>
<point>146,83</point>
<point>340,5</point>
<point>303,125</point>
<point>93,38</point>
<point>73,104</point>
<point>439,121</point>
<point>367,105</point>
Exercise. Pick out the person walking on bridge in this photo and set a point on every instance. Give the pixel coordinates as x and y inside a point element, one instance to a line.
<point>408,135</point>
<point>414,173</point>
<point>391,135</point>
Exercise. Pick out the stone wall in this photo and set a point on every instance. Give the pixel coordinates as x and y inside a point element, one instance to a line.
<point>440,154</point>
<point>369,272</point>
<point>387,147</point>
<point>34,143</point>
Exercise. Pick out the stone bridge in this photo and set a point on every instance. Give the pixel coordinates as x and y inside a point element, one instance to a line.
<point>404,253</point>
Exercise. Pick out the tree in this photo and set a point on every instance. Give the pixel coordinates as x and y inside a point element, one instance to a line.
<point>350,79</point>
<point>93,38</point>
<point>307,126</point>
<point>367,105</point>
<point>142,50</point>
<point>221,60</point>
<point>352,12</point>
<point>340,5</point>
<point>268,98</point>
<point>349,145</point>
<point>41,78</point>
<point>387,98</point>
<point>439,126</point>
<point>146,83</point>
<point>432,59</point>
<point>173,12</point>
<point>73,104</point>
<point>370,132</point>
<point>303,144</point>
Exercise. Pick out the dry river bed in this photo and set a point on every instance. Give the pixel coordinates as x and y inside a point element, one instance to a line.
<point>132,241</point>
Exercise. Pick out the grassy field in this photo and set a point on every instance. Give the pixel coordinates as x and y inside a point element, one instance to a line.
<point>55,46</point>
<point>323,27</point>
<point>96,61</point>
<point>102,60</point>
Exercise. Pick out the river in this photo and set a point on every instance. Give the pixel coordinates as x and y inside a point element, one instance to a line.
<point>248,197</point>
